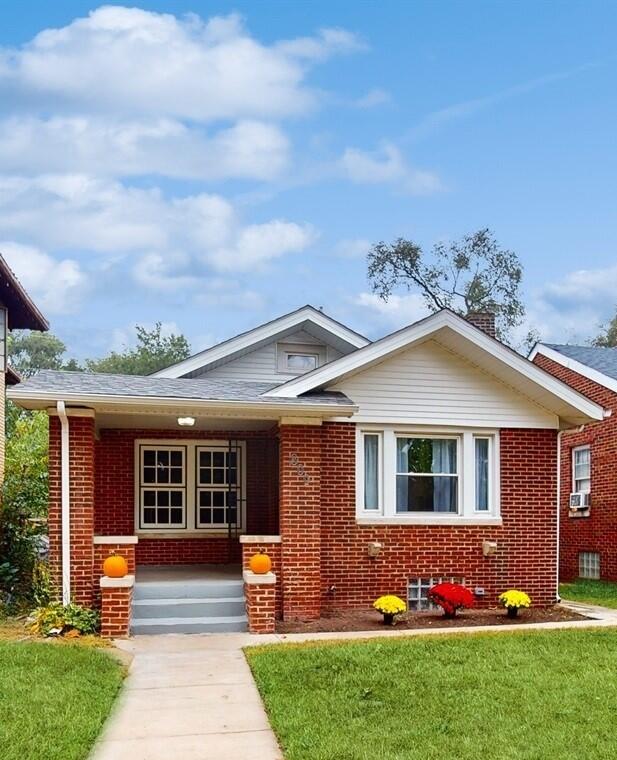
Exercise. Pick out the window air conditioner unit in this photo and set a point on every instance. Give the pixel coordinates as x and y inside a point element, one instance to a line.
<point>579,500</point>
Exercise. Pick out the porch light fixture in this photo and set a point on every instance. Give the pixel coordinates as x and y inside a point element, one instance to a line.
<point>186,421</point>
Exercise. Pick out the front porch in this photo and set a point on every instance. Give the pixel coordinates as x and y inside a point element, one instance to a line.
<point>187,508</point>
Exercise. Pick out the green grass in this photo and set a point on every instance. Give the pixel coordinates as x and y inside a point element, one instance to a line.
<point>603,593</point>
<point>545,695</point>
<point>54,699</point>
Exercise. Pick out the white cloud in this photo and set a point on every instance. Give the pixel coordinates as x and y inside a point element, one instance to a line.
<point>260,243</point>
<point>56,286</point>
<point>396,312</point>
<point>133,61</point>
<point>173,237</point>
<point>94,145</point>
<point>573,308</point>
<point>387,165</point>
<point>373,98</point>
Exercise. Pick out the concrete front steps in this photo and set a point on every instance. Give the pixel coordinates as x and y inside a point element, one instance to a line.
<point>189,606</point>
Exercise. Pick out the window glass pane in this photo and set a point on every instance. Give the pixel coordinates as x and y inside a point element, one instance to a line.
<point>301,362</point>
<point>426,455</point>
<point>582,469</point>
<point>426,494</point>
<point>371,472</point>
<point>481,451</point>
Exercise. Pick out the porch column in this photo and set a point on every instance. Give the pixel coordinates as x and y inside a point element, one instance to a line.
<point>300,518</point>
<point>81,476</point>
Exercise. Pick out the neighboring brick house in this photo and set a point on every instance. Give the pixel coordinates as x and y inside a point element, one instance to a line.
<point>362,467</point>
<point>588,531</point>
<point>17,312</point>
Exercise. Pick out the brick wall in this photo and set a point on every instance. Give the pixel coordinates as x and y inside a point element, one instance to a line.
<point>116,612</point>
<point>81,447</point>
<point>115,495</point>
<point>101,552</point>
<point>526,556</point>
<point>300,515</point>
<point>273,550</point>
<point>260,606</point>
<point>598,532</point>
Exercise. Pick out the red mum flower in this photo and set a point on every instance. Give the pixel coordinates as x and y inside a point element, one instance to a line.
<point>451,597</point>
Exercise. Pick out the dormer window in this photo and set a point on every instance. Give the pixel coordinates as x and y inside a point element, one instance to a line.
<point>299,358</point>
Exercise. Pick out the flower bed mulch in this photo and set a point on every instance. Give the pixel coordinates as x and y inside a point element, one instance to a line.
<point>369,620</point>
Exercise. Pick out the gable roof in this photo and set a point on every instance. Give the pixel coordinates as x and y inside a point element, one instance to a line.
<point>593,362</point>
<point>22,311</point>
<point>307,316</point>
<point>476,346</point>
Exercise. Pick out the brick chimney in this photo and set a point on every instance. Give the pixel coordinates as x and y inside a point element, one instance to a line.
<point>483,320</point>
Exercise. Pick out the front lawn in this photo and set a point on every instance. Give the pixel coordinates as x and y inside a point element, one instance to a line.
<point>54,699</point>
<point>603,593</point>
<point>523,696</point>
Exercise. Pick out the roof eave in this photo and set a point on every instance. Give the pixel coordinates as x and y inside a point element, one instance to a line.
<point>32,319</point>
<point>44,398</point>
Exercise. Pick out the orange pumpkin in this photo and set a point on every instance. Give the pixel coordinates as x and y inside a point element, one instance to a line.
<point>115,566</point>
<point>260,563</point>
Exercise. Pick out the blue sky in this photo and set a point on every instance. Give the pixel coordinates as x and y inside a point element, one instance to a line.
<point>212,165</point>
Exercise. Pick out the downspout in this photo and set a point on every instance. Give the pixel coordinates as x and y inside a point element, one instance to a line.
<point>65,485</point>
<point>559,434</point>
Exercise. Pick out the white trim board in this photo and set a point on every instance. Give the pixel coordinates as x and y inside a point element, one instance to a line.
<point>581,369</point>
<point>556,393</point>
<point>268,331</point>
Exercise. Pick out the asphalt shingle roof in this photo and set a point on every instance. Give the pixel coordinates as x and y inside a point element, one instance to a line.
<point>601,359</point>
<point>86,383</point>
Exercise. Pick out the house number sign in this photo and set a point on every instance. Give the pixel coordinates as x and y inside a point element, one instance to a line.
<point>301,472</point>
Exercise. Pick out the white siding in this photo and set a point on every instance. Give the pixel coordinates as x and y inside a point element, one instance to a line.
<point>260,365</point>
<point>430,385</point>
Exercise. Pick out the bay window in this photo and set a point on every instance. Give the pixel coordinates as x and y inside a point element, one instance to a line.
<point>412,476</point>
<point>189,486</point>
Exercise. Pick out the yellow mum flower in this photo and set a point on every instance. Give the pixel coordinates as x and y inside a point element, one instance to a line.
<point>389,605</point>
<point>514,598</point>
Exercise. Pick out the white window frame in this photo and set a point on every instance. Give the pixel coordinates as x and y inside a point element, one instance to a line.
<point>584,447</point>
<point>191,486</point>
<point>360,469</point>
<point>156,487</point>
<point>467,512</point>
<point>284,350</point>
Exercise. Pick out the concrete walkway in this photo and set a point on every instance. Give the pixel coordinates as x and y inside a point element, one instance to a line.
<point>193,697</point>
<point>188,698</point>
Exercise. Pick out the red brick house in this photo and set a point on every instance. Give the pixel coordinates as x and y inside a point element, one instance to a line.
<point>362,468</point>
<point>588,462</point>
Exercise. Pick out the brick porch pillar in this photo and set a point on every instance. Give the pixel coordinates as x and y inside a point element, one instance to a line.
<point>81,476</point>
<point>300,519</point>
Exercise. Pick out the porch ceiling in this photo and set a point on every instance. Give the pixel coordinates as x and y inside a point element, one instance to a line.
<point>145,420</point>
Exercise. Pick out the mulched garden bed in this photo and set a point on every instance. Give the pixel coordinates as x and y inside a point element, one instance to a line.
<point>369,620</point>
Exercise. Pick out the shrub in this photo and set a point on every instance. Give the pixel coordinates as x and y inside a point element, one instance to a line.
<point>24,503</point>
<point>451,597</point>
<point>57,619</point>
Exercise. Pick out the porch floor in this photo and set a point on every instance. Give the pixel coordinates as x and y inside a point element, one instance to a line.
<point>184,573</point>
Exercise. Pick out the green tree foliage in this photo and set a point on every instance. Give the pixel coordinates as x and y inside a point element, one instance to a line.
<point>473,274</point>
<point>608,337</point>
<point>29,352</point>
<point>24,501</point>
<point>153,352</point>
